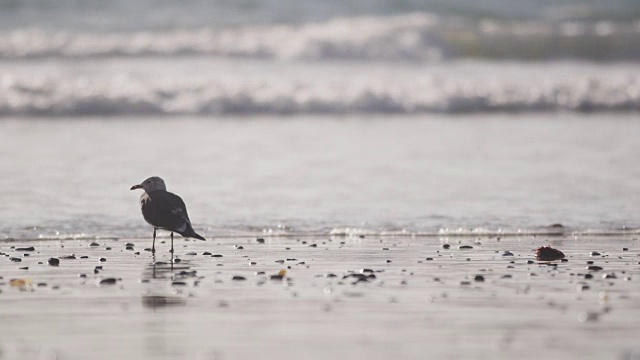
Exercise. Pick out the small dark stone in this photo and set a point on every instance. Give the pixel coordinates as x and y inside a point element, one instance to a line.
<point>68,257</point>
<point>239,247</point>
<point>136,253</point>
<point>388,261</point>
<point>23,268</point>
<point>446,246</point>
<point>108,281</point>
<point>206,253</point>
<point>260,240</point>
<point>15,259</point>
<point>465,283</point>
<point>609,276</point>
<point>530,261</point>
<point>547,253</point>
<point>507,253</point>
<point>594,253</point>
<point>238,278</point>
<point>594,268</point>
<point>99,267</point>
<point>589,262</point>
<point>94,244</point>
<point>54,262</point>
<point>564,260</point>
<point>588,276</point>
<point>107,248</point>
<point>103,259</point>
<point>178,283</point>
<point>479,278</point>
<point>30,248</point>
<point>465,247</point>
<point>330,275</point>
<point>129,244</point>
<point>129,248</point>
<point>276,277</point>
<point>84,257</point>
<point>191,253</point>
<point>625,249</point>
<point>177,261</point>
<point>313,245</point>
<point>429,259</point>
<point>82,275</point>
<point>216,255</point>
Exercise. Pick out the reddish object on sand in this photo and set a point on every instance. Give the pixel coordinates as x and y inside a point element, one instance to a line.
<point>547,253</point>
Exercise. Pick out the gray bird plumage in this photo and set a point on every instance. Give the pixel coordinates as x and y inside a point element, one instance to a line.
<point>164,210</point>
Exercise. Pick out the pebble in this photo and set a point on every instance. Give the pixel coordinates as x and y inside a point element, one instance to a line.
<point>178,283</point>
<point>313,245</point>
<point>54,262</point>
<point>30,248</point>
<point>128,248</point>
<point>479,278</point>
<point>23,268</point>
<point>239,247</point>
<point>130,244</point>
<point>609,276</point>
<point>276,277</point>
<point>594,268</point>
<point>446,246</point>
<point>206,253</point>
<point>260,240</point>
<point>625,249</point>
<point>216,255</point>
<point>238,278</point>
<point>507,253</point>
<point>464,247</point>
<point>594,253</point>
<point>588,276</point>
<point>103,259</point>
<point>191,254</point>
<point>94,244</point>
<point>15,259</point>
<point>108,281</point>
<point>429,259</point>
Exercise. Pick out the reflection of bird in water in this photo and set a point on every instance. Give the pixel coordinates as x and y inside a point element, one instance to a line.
<point>156,291</point>
<point>164,210</point>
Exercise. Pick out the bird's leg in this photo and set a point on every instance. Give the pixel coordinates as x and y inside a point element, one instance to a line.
<point>153,246</point>
<point>172,243</point>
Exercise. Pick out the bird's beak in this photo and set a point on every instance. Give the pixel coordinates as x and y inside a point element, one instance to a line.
<point>136,187</point>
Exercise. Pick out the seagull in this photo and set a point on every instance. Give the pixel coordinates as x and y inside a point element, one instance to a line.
<point>164,210</point>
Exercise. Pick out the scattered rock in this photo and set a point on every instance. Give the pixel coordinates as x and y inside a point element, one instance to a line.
<point>609,276</point>
<point>446,246</point>
<point>465,247</point>
<point>547,253</point>
<point>238,278</point>
<point>15,259</point>
<point>30,248</point>
<point>594,253</point>
<point>507,253</point>
<point>94,244</point>
<point>54,262</point>
<point>260,240</point>
<point>594,268</point>
<point>108,281</point>
<point>103,259</point>
<point>216,255</point>
<point>478,278</point>
<point>206,253</point>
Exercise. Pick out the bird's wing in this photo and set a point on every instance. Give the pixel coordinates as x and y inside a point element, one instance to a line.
<point>166,210</point>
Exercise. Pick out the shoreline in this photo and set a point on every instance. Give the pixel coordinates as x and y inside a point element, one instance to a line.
<point>423,300</point>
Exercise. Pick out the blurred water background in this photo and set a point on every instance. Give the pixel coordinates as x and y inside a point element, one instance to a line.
<point>286,116</point>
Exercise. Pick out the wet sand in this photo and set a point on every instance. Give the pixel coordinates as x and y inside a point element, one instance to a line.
<point>419,300</point>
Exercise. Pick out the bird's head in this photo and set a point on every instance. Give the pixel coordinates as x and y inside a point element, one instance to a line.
<point>151,184</point>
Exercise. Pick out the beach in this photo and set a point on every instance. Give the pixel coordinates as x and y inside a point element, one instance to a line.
<point>423,301</point>
<point>373,179</point>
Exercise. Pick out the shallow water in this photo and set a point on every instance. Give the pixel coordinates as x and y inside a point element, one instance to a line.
<point>414,308</point>
<point>309,175</point>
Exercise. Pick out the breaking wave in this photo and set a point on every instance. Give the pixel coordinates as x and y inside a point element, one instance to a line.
<point>282,91</point>
<point>412,37</point>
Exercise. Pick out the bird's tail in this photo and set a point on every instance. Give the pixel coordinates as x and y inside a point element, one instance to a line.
<point>192,234</point>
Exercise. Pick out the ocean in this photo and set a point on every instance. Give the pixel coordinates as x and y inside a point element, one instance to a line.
<point>292,118</point>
